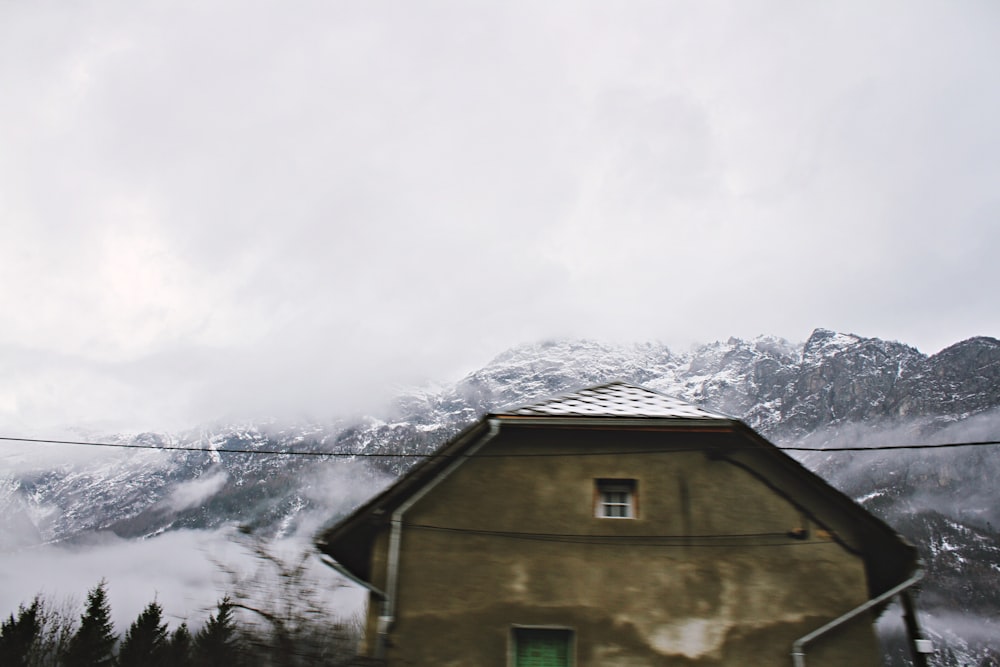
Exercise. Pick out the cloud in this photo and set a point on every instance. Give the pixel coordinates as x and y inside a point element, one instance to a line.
<point>335,491</point>
<point>214,209</point>
<point>186,570</point>
<point>179,569</point>
<point>194,492</point>
<point>956,482</point>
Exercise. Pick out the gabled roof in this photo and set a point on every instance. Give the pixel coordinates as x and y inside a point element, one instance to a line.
<point>622,406</point>
<point>615,399</point>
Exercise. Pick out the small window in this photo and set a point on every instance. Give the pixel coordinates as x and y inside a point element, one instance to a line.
<point>615,499</point>
<point>542,647</point>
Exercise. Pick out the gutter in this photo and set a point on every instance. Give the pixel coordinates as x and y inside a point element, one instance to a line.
<point>344,572</point>
<point>387,616</point>
<point>919,645</point>
<point>664,423</point>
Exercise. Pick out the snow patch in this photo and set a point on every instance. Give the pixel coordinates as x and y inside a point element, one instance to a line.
<point>869,496</point>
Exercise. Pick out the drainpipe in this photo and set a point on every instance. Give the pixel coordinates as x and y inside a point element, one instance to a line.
<point>919,646</point>
<point>387,617</point>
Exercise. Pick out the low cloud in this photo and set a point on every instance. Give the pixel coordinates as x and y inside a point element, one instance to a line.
<point>955,481</point>
<point>183,569</point>
<point>179,569</point>
<point>193,493</point>
<point>335,491</point>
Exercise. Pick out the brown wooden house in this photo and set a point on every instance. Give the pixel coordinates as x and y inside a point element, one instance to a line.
<point>616,526</point>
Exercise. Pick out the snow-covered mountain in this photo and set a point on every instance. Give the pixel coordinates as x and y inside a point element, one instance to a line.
<point>835,389</point>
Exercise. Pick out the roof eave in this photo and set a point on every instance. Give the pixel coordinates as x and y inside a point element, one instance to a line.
<point>906,554</point>
<point>337,538</point>
<point>619,422</point>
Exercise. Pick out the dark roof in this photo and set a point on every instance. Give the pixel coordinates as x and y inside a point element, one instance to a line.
<point>618,405</point>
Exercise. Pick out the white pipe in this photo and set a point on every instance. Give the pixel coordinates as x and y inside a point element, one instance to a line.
<point>387,617</point>
<point>798,647</point>
<point>341,570</point>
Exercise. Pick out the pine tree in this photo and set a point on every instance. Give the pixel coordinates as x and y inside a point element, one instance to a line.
<point>19,636</point>
<point>145,642</point>
<point>94,641</point>
<point>215,643</point>
<point>179,648</point>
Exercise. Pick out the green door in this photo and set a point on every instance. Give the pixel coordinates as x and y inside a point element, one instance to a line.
<point>542,648</point>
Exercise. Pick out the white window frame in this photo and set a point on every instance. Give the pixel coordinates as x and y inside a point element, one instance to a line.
<point>605,503</point>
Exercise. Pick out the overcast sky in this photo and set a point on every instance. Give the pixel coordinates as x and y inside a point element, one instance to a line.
<point>218,207</point>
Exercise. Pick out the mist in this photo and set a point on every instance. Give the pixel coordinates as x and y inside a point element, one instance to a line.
<point>183,569</point>
<point>191,493</point>
<point>957,482</point>
<point>214,209</point>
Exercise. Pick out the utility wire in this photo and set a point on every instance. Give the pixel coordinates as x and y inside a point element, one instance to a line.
<point>185,448</point>
<point>862,448</point>
<point>403,455</point>
<point>709,540</point>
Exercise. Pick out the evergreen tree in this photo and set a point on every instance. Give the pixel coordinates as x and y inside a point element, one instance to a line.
<point>215,643</point>
<point>94,641</point>
<point>19,636</point>
<point>179,648</point>
<point>145,642</point>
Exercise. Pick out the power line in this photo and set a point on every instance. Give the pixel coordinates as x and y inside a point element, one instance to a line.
<point>882,448</point>
<point>414,455</point>
<point>184,448</point>
<point>707,540</point>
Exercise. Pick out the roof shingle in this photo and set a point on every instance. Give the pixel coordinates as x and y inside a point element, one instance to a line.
<point>615,399</point>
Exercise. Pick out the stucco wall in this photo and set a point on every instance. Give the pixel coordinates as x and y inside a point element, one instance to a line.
<point>688,598</point>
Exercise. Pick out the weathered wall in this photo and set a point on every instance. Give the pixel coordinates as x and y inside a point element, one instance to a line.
<point>689,599</point>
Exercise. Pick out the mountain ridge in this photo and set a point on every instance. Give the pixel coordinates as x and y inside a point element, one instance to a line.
<point>832,388</point>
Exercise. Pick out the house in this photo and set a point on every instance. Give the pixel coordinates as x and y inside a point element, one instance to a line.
<point>617,526</point>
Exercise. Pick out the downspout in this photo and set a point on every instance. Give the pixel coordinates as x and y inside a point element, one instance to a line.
<point>918,645</point>
<point>387,617</point>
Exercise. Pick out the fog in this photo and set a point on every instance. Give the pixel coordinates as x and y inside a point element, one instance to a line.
<point>179,569</point>
<point>183,569</point>
<point>191,493</point>
<point>957,482</point>
<point>174,568</point>
<point>219,210</point>
<point>962,633</point>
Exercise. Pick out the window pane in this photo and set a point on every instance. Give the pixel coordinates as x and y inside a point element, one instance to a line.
<point>615,498</point>
<point>542,648</point>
